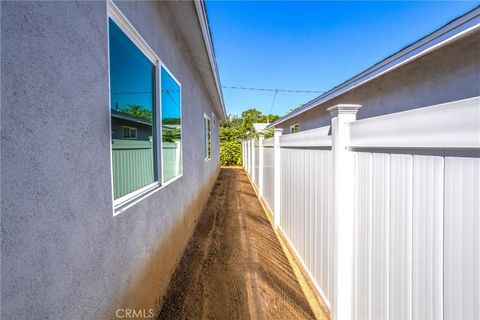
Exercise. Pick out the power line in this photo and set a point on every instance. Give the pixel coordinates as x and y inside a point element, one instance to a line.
<point>271,90</point>
<point>273,102</point>
<point>136,92</point>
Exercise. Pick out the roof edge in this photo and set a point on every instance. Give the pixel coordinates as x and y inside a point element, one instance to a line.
<point>446,34</point>
<point>205,28</point>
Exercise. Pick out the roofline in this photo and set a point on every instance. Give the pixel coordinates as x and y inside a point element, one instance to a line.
<point>450,32</point>
<point>125,116</point>
<point>205,27</point>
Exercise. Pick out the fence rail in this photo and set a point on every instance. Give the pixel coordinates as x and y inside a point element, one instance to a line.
<point>383,213</point>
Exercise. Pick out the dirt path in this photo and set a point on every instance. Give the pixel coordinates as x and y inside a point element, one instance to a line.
<point>234,266</point>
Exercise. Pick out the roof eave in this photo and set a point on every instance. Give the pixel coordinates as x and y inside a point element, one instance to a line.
<point>205,28</point>
<point>452,31</point>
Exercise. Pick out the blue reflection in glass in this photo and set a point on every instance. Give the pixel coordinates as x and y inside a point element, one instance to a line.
<point>132,92</point>
<point>171,126</point>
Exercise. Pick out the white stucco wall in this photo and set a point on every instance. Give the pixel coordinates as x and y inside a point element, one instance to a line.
<point>64,255</point>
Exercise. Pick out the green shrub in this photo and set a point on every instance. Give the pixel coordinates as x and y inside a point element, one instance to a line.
<point>235,129</point>
<point>231,153</point>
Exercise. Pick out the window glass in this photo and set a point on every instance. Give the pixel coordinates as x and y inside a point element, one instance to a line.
<point>126,132</point>
<point>171,126</point>
<point>295,128</point>
<point>207,136</point>
<point>209,139</point>
<point>132,92</point>
<point>133,133</point>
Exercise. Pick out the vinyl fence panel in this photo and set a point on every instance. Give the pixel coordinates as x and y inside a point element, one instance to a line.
<point>133,167</point>
<point>306,216</point>
<point>462,238</point>
<point>415,215</point>
<point>268,163</point>
<point>256,164</point>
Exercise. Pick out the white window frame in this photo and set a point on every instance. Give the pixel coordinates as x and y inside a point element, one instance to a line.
<point>206,120</point>
<point>214,120</point>
<point>293,126</point>
<point>161,125</point>
<point>130,129</point>
<point>123,203</point>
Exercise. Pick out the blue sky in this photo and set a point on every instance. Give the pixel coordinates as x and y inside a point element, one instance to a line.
<point>132,78</point>
<point>311,45</point>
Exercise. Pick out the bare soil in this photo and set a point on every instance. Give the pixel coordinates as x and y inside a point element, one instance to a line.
<point>234,266</point>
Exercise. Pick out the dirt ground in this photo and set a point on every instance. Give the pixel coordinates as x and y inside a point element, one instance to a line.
<point>234,266</point>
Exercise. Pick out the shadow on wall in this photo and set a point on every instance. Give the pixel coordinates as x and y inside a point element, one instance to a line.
<point>143,296</point>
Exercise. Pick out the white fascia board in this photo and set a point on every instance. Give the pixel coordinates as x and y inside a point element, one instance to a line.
<point>202,18</point>
<point>447,34</point>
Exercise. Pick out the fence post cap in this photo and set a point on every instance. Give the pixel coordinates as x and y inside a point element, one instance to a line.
<point>261,136</point>
<point>277,131</point>
<point>344,109</point>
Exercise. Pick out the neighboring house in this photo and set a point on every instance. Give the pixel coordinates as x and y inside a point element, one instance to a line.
<point>125,126</point>
<point>260,127</point>
<point>98,203</point>
<point>295,128</point>
<point>441,67</point>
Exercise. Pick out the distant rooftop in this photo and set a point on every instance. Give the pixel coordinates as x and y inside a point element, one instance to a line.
<point>450,32</point>
<point>259,127</point>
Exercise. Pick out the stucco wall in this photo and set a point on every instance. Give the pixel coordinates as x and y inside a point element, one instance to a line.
<point>447,74</point>
<point>64,255</point>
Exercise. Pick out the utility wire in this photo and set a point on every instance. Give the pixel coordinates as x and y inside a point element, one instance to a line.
<point>272,90</point>
<point>137,92</point>
<point>273,102</point>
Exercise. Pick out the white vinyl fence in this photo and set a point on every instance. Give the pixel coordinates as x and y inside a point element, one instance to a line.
<point>383,213</point>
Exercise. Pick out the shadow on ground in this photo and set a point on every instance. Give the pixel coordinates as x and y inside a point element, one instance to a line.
<point>234,266</point>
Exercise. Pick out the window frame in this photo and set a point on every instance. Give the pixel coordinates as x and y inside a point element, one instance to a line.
<point>206,120</point>
<point>293,126</point>
<point>123,203</point>
<point>164,182</point>
<point>130,129</point>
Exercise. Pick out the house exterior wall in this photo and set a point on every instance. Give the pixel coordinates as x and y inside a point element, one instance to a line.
<point>447,74</point>
<point>64,254</point>
<point>144,131</point>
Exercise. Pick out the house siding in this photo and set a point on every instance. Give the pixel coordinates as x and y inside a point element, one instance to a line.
<point>447,74</point>
<point>64,254</point>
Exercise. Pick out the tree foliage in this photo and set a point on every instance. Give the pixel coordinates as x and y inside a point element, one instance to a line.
<point>138,112</point>
<point>235,129</point>
<point>171,134</point>
<point>231,153</point>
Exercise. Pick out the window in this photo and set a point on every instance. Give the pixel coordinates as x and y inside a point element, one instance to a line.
<point>207,137</point>
<point>129,133</point>
<point>133,112</point>
<point>295,128</point>
<point>145,108</point>
<point>171,126</point>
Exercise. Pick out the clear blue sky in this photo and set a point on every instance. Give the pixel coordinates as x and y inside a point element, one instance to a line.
<point>311,45</point>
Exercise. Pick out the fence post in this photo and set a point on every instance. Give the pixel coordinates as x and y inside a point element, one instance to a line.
<point>253,161</point>
<point>250,158</point>
<point>246,155</point>
<point>244,152</point>
<point>343,208</point>
<point>260,165</point>
<point>276,174</point>
<point>247,145</point>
